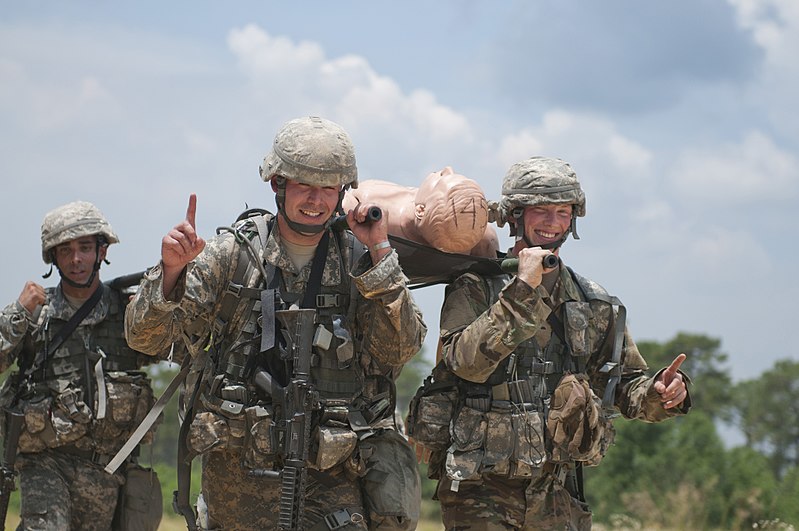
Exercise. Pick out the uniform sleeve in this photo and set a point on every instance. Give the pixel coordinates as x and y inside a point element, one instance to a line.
<point>154,322</point>
<point>14,324</point>
<point>636,397</point>
<point>389,320</point>
<point>477,334</point>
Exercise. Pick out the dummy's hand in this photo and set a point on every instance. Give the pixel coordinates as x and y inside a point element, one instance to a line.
<point>670,384</point>
<point>369,233</point>
<point>182,244</point>
<point>531,267</point>
<point>32,296</point>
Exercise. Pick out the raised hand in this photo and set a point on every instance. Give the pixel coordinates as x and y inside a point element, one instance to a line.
<point>670,384</point>
<point>182,244</point>
<point>32,296</point>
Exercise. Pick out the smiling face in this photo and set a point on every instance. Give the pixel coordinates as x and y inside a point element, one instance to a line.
<point>77,258</point>
<point>308,205</point>
<point>547,223</point>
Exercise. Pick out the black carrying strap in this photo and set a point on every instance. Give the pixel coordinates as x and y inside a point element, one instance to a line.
<point>315,278</point>
<point>71,325</point>
<point>75,320</point>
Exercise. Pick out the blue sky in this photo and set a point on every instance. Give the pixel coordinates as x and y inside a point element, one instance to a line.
<point>679,118</point>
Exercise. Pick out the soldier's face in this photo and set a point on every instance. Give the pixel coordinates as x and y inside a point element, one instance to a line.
<point>76,258</point>
<point>310,205</point>
<point>545,224</point>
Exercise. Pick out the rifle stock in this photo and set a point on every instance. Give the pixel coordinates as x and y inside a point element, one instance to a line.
<point>14,420</point>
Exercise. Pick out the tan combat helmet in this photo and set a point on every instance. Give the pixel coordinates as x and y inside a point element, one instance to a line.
<point>540,181</point>
<point>313,151</point>
<point>69,222</point>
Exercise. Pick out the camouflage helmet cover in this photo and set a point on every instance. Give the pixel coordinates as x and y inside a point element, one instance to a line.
<point>539,181</point>
<point>71,221</point>
<point>314,151</point>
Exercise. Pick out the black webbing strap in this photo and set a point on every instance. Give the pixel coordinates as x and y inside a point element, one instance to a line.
<point>75,320</point>
<point>315,278</point>
<point>70,326</point>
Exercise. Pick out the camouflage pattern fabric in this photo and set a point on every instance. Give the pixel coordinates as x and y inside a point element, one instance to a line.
<point>72,221</point>
<point>236,500</point>
<point>61,492</point>
<point>478,332</point>
<point>387,332</point>
<point>59,488</point>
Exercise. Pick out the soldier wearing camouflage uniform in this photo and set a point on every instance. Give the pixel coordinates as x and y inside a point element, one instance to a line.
<point>363,472</point>
<point>83,399</point>
<point>513,412</point>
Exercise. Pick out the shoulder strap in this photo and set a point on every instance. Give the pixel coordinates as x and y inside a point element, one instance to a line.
<point>612,368</point>
<point>75,320</point>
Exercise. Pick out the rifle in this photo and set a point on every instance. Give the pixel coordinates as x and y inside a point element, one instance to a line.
<point>297,400</point>
<point>13,428</point>
<point>126,281</point>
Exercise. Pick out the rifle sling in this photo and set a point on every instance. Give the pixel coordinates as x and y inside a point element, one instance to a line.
<point>74,321</point>
<point>136,437</point>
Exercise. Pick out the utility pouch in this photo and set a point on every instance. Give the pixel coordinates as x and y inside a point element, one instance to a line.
<point>391,486</point>
<point>499,442</point>
<point>207,432</point>
<point>37,433</point>
<point>260,449</point>
<point>529,452</point>
<point>129,399</point>
<point>578,316</point>
<point>140,505</point>
<point>469,429</point>
<point>334,446</point>
<point>430,416</point>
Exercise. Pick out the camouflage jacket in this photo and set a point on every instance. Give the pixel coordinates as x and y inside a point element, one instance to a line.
<point>388,328</point>
<point>479,333</point>
<point>63,403</point>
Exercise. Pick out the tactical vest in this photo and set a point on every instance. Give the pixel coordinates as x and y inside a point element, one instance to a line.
<point>88,394</point>
<point>475,422</point>
<point>228,391</point>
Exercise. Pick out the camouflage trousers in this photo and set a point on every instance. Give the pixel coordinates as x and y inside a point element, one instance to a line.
<point>235,500</point>
<point>61,491</point>
<point>495,503</point>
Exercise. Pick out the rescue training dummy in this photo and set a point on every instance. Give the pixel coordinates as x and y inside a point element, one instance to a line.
<point>295,428</point>
<point>448,212</point>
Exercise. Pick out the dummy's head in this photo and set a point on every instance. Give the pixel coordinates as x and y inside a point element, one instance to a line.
<point>451,211</point>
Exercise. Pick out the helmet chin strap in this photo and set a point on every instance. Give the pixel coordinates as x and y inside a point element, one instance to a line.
<point>95,269</point>
<point>304,228</point>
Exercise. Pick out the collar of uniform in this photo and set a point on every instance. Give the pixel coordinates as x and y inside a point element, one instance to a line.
<point>276,255</point>
<point>565,289</point>
<point>59,307</point>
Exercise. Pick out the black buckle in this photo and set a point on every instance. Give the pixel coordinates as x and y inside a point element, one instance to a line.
<point>234,289</point>
<point>327,300</point>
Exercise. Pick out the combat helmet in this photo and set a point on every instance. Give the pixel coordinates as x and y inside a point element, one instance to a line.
<point>69,222</point>
<point>314,151</point>
<point>539,181</point>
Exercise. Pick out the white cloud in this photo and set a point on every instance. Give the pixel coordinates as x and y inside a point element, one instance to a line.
<point>299,73</point>
<point>586,141</point>
<point>754,170</point>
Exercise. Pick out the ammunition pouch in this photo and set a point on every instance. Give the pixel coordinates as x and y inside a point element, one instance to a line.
<point>65,418</point>
<point>129,399</point>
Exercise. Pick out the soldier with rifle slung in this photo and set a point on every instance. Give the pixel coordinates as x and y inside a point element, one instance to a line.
<point>78,388</point>
<point>297,330</point>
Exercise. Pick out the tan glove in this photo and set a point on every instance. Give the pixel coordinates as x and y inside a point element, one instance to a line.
<point>575,422</point>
